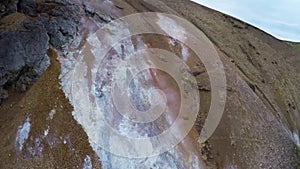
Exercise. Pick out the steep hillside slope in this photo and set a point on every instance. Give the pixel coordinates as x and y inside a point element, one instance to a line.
<point>51,124</point>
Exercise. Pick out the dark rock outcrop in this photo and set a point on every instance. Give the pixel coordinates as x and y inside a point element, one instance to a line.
<point>7,7</point>
<point>24,42</point>
<point>26,30</point>
<point>60,20</point>
<point>28,7</point>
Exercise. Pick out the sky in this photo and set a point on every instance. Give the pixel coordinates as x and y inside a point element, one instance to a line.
<point>280,18</point>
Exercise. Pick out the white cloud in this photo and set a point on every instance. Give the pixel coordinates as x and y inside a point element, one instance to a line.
<point>277,17</point>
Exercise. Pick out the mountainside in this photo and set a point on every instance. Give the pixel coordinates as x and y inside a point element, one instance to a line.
<point>52,113</point>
